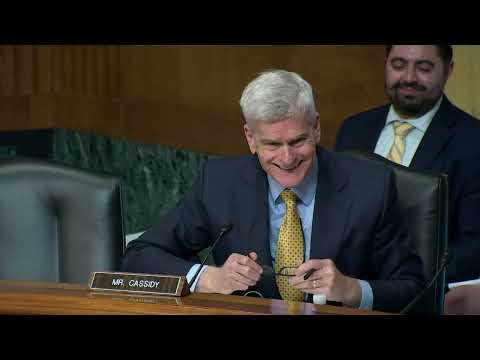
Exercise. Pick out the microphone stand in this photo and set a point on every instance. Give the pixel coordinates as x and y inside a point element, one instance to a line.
<point>445,261</point>
<point>225,229</point>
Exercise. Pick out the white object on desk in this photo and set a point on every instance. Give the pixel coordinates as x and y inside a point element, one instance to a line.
<point>319,299</point>
<point>468,282</point>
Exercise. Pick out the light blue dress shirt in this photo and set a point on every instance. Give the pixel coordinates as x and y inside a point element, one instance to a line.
<point>412,140</point>
<point>306,193</point>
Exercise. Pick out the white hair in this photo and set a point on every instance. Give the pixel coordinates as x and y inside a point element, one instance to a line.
<point>276,95</point>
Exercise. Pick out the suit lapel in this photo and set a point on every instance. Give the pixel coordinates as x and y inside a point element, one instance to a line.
<point>256,212</point>
<point>436,137</point>
<point>374,128</point>
<point>331,210</point>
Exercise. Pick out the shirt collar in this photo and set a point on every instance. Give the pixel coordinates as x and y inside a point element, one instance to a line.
<point>421,123</point>
<point>305,190</point>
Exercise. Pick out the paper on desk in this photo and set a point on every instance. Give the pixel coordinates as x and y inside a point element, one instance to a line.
<point>468,282</point>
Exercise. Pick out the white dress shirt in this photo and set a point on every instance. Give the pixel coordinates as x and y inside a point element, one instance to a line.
<point>412,140</point>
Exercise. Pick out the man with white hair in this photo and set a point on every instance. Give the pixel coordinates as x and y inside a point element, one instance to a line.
<point>305,220</point>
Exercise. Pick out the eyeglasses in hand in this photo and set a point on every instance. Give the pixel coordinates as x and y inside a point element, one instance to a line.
<point>285,271</point>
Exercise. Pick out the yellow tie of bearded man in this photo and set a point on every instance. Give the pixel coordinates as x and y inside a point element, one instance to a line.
<point>398,147</point>
<point>290,246</point>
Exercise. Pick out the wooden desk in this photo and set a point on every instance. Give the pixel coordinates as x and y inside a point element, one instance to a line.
<point>32,298</point>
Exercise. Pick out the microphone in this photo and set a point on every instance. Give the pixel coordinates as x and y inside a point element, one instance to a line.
<point>445,261</point>
<point>223,230</point>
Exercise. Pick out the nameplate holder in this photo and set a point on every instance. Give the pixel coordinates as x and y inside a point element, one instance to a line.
<point>166,285</point>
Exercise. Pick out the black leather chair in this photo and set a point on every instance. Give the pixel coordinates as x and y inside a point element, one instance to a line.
<point>423,198</point>
<point>58,223</point>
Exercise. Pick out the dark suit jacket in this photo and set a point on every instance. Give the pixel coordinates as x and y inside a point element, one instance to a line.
<point>451,145</point>
<point>354,224</point>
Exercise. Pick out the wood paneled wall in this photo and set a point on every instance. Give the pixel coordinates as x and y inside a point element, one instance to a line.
<point>181,96</point>
<point>463,86</point>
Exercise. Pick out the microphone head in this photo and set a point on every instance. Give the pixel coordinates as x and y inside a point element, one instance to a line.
<point>226,228</point>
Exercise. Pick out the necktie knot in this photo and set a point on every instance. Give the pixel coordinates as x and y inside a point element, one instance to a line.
<point>289,198</point>
<point>402,129</point>
<point>398,147</point>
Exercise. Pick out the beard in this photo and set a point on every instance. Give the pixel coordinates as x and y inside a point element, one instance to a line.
<point>411,105</point>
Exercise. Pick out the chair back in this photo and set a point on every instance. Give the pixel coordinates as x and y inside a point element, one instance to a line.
<point>423,198</point>
<point>58,223</point>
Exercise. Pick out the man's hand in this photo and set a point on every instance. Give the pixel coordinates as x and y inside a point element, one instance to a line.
<point>238,273</point>
<point>463,300</point>
<point>327,280</point>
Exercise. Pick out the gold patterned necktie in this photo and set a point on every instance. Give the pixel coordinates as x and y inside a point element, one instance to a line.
<point>398,147</point>
<point>290,246</point>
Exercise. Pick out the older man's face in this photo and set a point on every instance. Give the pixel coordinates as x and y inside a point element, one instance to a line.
<point>286,149</point>
<point>415,77</point>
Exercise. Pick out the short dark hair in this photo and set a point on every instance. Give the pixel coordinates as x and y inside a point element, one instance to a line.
<point>444,51</point>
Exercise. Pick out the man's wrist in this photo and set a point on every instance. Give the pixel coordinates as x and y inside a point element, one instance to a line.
<point>205,281</point>
<point>354,297</point>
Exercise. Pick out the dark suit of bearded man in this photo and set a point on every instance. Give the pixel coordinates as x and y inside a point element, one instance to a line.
<point>448,141</point>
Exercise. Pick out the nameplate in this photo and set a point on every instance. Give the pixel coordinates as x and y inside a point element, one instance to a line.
<point>168,285</point>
